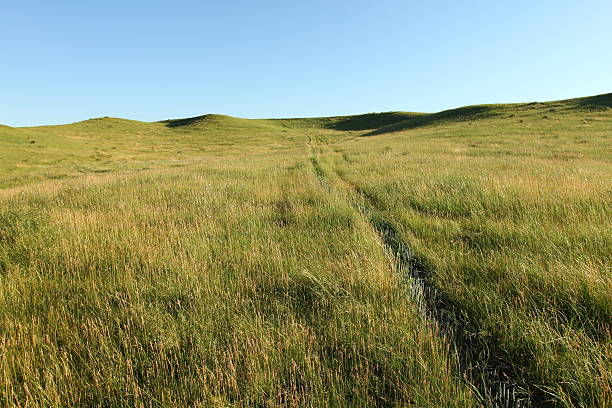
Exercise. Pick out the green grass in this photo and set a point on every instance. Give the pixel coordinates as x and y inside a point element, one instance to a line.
<point>454,259</point>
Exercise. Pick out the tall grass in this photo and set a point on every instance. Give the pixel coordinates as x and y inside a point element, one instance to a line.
<point>238,284</point>
<point>517,246</point>
<point>397,260</point>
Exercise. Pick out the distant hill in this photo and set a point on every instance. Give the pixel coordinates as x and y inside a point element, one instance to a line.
<point>376,123</point>
<point>107,144</point>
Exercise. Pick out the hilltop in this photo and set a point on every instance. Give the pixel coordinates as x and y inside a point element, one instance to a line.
<point>108,144</point>
<point>369,121</point>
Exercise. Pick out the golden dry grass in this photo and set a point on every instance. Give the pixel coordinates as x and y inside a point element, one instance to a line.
<point>455,259</point>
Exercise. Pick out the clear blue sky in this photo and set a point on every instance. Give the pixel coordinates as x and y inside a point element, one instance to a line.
<point>67,60</point>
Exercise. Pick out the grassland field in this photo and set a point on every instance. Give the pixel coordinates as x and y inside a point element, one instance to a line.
<point>455,259</point>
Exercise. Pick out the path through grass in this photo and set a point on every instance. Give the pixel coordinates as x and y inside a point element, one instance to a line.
<point>452,259</point>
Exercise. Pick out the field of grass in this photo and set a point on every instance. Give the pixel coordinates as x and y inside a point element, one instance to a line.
<point>455,259</point>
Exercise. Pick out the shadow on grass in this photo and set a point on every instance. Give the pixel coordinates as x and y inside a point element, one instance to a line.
<point>371,121</point>
<point>171,123</point>
<point>595,103</point>
<point>464,114</point>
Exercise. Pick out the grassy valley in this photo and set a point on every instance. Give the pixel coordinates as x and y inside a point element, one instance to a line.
<point>453,259</point>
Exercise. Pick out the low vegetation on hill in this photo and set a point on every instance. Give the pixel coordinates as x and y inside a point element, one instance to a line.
<point>454,259</point>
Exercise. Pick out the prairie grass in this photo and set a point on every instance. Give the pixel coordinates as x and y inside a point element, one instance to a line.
<point>228,262</point>
<point>516,245</point>
<point>225,285</point>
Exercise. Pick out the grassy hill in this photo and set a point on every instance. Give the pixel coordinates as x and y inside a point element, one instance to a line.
<point>451,259</point>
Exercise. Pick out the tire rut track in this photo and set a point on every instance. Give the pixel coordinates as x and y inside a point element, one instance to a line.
<point>490,378</point>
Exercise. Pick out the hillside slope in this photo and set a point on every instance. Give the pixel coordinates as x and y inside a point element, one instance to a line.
<point>110,144</point>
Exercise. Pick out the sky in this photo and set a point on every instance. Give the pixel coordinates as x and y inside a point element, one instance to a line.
<point>66,60</point>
